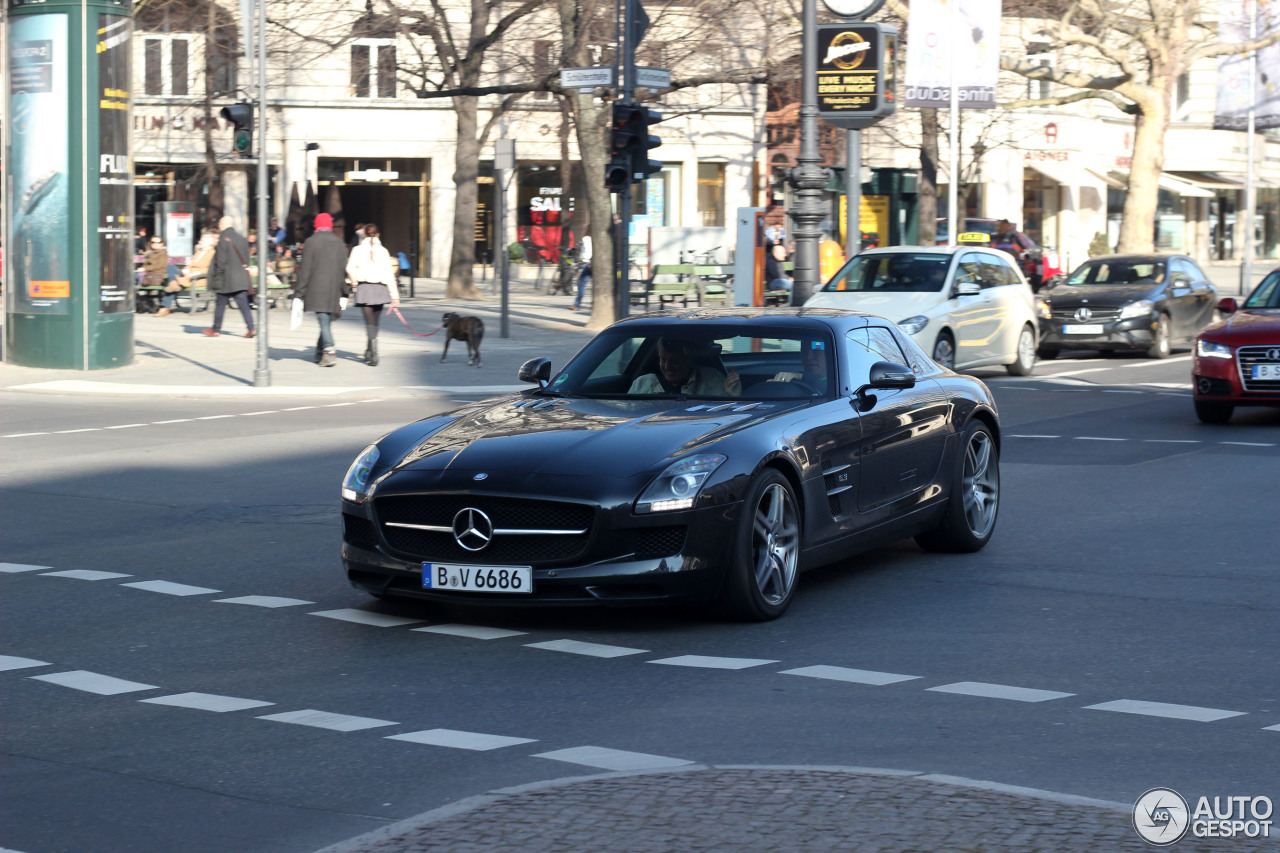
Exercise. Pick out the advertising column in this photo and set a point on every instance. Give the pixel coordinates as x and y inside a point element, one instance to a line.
<point>69,299</point>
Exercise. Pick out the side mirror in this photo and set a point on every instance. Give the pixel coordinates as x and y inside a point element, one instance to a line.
<point>968,288</point>
<point>536,370</point>
<point>1228,305</point>
<point>886,375</point>
<point>1055,280</point>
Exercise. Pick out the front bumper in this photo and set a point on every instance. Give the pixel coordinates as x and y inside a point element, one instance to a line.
<point>1217,380</point>
<point>1130,333</point>
<point>626,559</point>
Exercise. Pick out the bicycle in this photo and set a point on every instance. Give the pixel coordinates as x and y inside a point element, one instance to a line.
<point>567,272</point>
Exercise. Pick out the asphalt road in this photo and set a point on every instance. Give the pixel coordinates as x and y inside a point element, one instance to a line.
<point>1135,561</point>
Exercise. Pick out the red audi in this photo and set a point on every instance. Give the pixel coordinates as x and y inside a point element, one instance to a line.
<point>1237,359</point>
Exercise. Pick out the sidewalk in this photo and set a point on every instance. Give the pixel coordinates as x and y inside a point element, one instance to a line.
<point>173,358</point>
<point>771,809</point>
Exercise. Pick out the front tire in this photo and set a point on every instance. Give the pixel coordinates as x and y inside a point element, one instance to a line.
<point>766,557</point>
<point>944,351</point>
<point>970,516</point>
<point>1026,354</point>
<point>1213,413</point>
<point>1160,346</point>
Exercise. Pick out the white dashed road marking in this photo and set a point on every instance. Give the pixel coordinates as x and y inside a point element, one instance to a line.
<point>1171,441</point>
<point>8,662</point>
<point>174,421</point>
<point>1248,443</point>
<point>1164,709</point>
<point>92,682</point>
<point>85,575</point>
<point>710,662</point>
<point>214,417</point>
<point>855,676</point>
<point>1035,436</point>
<point>1275,728</point>
<point>15,568</point>
<point>612,759</point>
<point>1097,438</point>
<point>362,617</point>
<point>171,588</point>
<point>125,426</point>
<point>263,601</point>
<point>207,702</point>
<point>460,740</point>
<point>475,632</point>
<point>595,650</point>
<point>1000,691</point>
<point>326,720</point>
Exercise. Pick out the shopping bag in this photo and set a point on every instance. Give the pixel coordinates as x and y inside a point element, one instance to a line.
<point>295,315</point>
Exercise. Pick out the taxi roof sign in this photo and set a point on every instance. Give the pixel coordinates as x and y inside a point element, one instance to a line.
<point>974,237</point>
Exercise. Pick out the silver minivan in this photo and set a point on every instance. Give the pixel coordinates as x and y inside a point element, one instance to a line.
<point>967,306</point>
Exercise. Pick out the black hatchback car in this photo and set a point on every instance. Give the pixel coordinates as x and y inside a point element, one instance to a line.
<point>707,455</point>
<point>1126,302</point>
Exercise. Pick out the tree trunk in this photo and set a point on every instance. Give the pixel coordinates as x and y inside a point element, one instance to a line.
<point>927,214</point>
<point>591,151</point>
<point>466,171</point>
<point>1138,226</point>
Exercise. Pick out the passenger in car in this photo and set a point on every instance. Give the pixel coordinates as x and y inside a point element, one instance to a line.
<point>677,374</point>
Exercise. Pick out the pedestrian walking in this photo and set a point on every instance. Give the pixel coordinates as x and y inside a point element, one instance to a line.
<point>322,284</point>
<point>371,268</point>
<point>229,278</point>
<point>585,276</point>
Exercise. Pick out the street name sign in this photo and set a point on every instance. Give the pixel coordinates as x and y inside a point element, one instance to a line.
<point>653,78</point>
<point>585,78</point>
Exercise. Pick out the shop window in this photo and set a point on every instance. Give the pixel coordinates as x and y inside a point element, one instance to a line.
<point>711,195</point>
<point>166,65</point>
<point>373,69</point>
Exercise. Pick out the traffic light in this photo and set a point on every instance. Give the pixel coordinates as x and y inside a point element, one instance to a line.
<point>629,145</point>
<point>241,116</point>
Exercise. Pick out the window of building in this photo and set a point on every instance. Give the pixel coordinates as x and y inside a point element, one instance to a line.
<point>373,68</point>
<point>1040,89</point>
<point>711,195</point>
<point>166,65</point>
<point>1182,98</point>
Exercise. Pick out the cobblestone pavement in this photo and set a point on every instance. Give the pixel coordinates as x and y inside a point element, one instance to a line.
<point>747,809</point>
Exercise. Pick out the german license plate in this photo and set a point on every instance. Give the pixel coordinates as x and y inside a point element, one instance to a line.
<point>517,579</point>
<point>1085,329</point>
<point>1266,371</point>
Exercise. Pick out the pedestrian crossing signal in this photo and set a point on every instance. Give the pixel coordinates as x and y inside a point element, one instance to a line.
<point>241,117</point>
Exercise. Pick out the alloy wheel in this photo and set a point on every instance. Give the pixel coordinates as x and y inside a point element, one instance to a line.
<point>981,485</point>
<point>775,544</point>
<point>944,352</point>
<point>1026,349</point>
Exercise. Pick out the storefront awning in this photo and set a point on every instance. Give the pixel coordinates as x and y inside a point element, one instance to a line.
<point>1209,180</point>
<point>1114,183</point>
<point>1166,182</point>
<point>1055,171</point>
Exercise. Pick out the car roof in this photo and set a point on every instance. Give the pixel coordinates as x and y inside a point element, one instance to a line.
<point>939,250</point>
<point>792,317</point>
<point>1133,258</point>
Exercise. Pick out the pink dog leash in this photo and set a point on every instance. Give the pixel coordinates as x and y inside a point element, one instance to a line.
<point>396,311</point>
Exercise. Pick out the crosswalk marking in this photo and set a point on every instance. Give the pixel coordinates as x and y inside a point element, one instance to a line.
<point>8,662</point>
<point>326,720</point>
<point>263,601</point>
<point>85,575</point>
<point>93,682</point>
<point>171,588</point>
<point>595,650</point>
<point>1165,709</point>
<point>207,702</point>
<point>612,759</point>
<point>460,740</point>
<point>363,617</point>
<point>1000,691</point>
<point>475,632</point>
<point>857,676</point>
<point>711,662</point>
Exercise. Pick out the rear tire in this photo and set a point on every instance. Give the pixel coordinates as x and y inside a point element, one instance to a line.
<point>971,512</point>
<point>1026,354</point>
<point>766,556</point>
<point>1214,413</point>
<point>944,351</point>
<point>1160,346</point>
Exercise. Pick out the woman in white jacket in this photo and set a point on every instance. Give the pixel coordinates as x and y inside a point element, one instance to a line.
<point>370,267</point>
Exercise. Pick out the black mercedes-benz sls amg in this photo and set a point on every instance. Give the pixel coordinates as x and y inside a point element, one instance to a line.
<point>706,455</point>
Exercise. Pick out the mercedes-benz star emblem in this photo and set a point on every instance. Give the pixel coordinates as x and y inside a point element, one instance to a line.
<point>1083,314</point>
<point>472,529</point>
<point>1273,354</point>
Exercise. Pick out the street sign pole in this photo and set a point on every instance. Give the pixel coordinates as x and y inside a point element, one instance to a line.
<point>262,373</point>
<point>504,161</point>
<point>852,192</point>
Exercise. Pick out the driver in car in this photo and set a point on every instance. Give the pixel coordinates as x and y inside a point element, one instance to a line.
<point>677,374</point>
<point>813,362</point>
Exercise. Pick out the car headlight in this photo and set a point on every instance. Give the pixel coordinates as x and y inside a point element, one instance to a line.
<point>1208,349</point>
<point>355,485</point>
<point>1141,308</point>
<point>1042,309</point>
<point>677,486</point>
<point>913,325</point>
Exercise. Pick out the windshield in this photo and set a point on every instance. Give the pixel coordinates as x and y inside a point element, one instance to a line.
<point>1267,294</point>
<point>713,361</point>
<point>1118,272</point>
<point>892,272</point>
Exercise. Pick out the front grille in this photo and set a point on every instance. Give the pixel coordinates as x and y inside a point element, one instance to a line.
<point>359,531</point>
<point>1099,315</point>
<point>505,513</point>
<point>1246,358</point>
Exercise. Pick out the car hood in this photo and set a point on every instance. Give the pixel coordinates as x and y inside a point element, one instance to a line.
<point>1100,296</point>
<point>1248,326</point>
<point>891,306</point>
<point>574,436</point>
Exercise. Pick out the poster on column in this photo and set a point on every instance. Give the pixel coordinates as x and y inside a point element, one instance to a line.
<point>1232,109</point>
<point>932,40</point>
<point>38,261</point>
<point>115,187</point>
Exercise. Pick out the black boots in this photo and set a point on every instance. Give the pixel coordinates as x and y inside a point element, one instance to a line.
<point>371,354</point>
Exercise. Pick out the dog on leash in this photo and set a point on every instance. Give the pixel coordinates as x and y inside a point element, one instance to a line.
<point>468,329</point>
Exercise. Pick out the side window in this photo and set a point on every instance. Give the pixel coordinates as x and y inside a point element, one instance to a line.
<point>970,269</point>
<point>1000,271</point>
<point>884,345</point>
<point>861,356</point>
<point>1184,269</point>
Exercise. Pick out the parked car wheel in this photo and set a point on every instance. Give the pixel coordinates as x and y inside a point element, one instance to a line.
<point>1026,354</point>
<point>944,351</point>
<point>971,512</point>
<point>762,578</point>
<point>1214,413</point>
<point>1160,346</point>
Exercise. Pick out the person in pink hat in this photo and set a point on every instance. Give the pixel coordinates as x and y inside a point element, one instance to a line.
<point>322,284</point>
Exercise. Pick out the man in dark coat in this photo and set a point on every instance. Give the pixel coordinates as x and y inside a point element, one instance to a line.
<point>322,282</point>
<point>228,278</point>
